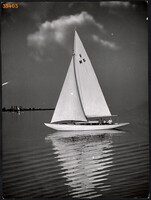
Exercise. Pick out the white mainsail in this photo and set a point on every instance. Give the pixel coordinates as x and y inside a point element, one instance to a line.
<point>69,106</point>
<point>91,95</point>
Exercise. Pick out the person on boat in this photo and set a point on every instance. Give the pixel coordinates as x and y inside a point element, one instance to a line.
<point>100,121</point>
<point>110,121</point>
<point>104,122</point>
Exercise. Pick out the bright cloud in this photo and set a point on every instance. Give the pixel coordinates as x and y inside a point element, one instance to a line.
<point>58,30</point>
<point>112,4</point>
<point>105,43</point>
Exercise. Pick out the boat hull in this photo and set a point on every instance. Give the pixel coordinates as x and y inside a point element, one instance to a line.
<point>72,127</point>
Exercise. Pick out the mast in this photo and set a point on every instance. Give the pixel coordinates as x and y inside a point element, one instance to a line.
<point>73,55</point>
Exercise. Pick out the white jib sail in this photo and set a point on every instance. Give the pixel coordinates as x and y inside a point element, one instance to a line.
<point>69,106</point>
<point>92,98</point>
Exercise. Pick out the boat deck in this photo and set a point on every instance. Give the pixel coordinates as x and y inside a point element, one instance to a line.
<point>83,127</point>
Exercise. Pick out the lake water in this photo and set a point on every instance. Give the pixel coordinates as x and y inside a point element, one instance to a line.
<point>37,162</point>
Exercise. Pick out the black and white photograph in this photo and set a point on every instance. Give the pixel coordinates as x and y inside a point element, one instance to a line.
<point>75,113</point>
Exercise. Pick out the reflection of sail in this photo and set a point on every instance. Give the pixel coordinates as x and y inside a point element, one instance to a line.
<point>86,159</point>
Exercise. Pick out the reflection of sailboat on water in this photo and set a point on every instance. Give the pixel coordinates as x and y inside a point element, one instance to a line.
<point>85,161</point>
<point>66,134</point>
<point>81,105</point>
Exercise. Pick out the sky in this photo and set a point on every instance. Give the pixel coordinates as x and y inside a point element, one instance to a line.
<point>37,44</point>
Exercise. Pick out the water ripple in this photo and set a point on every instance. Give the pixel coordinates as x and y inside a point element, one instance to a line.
<point>89,165</point>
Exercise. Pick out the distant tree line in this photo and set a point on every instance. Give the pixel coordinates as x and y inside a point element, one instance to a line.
<point>20,108</point>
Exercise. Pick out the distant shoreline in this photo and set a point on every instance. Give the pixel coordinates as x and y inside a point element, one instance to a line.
<point>25,109</point>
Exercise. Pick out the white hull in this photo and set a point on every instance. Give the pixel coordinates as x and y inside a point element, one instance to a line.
<point>72,127</point>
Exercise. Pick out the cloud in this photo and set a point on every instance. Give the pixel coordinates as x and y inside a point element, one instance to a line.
<point>58,30</point>
<point>105,43</point>
<point>113,4</point>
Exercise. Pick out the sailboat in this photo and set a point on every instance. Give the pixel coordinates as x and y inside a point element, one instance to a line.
<point>81,105</point>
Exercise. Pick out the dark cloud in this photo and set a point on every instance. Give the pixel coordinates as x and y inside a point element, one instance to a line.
<point>37,42</point>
